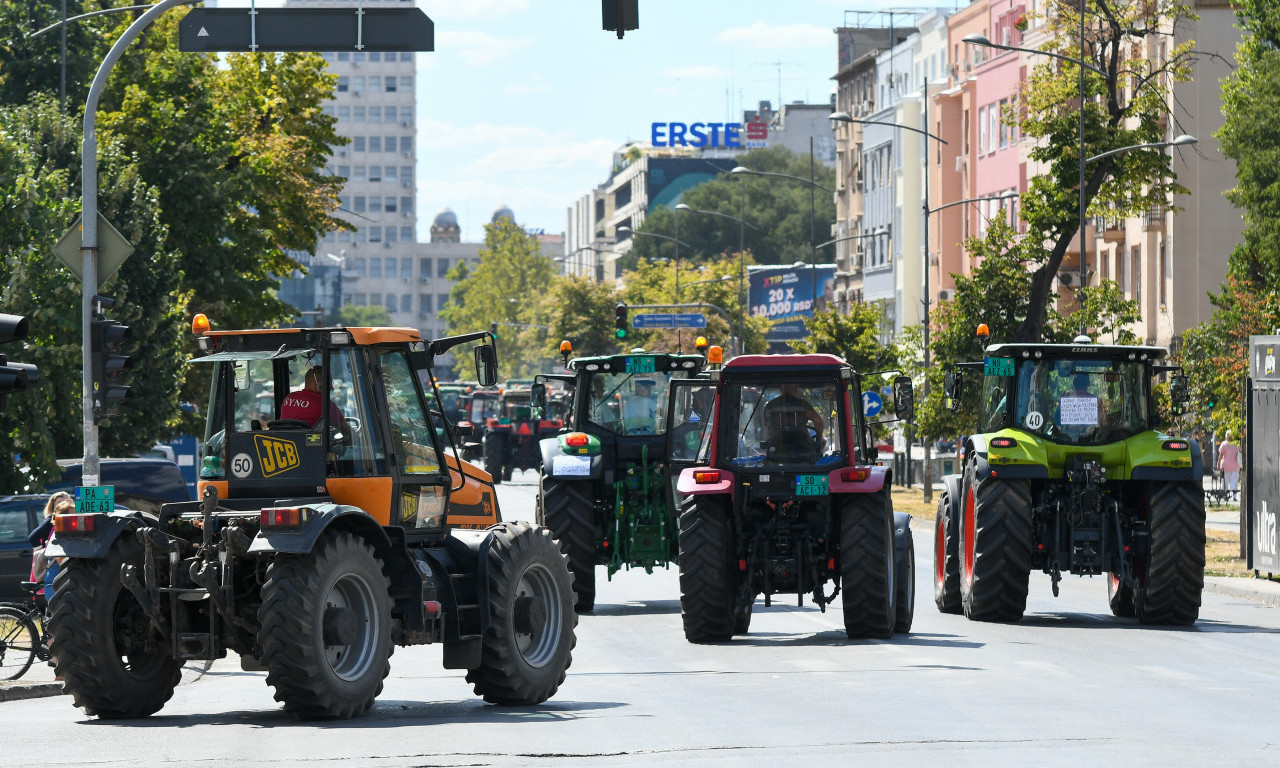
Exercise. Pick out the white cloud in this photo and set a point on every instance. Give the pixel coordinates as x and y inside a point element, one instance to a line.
<point>478,48</point>
<point>533,86</point>
<point>761,36</point>
<point>474,9</point>
<point>699,71</point>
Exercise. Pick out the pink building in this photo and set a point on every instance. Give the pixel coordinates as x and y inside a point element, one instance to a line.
<point>999,77</point>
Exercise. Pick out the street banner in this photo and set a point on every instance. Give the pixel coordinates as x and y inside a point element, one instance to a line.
<point>785,295</point>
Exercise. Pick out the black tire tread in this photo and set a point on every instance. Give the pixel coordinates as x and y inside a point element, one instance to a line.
<point>1174,583</point>
<point>288,628</point>
<point>905,600</point>
<point>1002,552</point>
<point>503,676</point>
<point>706,579</point>
<point>866,581</point>
<point>568,510</point>
<point>946,593</point>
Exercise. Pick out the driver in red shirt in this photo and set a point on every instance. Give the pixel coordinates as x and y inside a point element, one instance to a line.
<point>304,404</point>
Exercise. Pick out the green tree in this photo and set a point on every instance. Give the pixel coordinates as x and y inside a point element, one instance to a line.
<point>777,208</point>
<point>1128,105</point>
<point>857,337</point>
<point>371,316</point>
<point>506,287</point>
<point>653,282</point>
<point>581,311</point>
<point>31,65</point>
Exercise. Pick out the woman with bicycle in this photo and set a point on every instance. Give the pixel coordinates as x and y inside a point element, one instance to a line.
<point>43,569</point>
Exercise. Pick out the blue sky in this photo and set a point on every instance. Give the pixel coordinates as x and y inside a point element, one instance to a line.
<point>523,101</point>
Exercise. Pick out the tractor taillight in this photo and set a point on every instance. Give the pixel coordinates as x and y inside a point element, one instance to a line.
<point>73,524</point>
<point>1176,445</point>
<point>576,440</point>
<point>707,477</point>
<point>855,474</point>
<point>283,517</point>
<point>1004,442</point>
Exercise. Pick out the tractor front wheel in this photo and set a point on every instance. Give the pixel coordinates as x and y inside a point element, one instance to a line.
<point>567,509</point>
<point>325,628</point>
<point>706,572</point>
<point>868,564</point>
<point>1172,581</point>
<point>906,599</point>
<point>111,660</point>
<point>946,557</point>
<point>530,639</point>
<point>995,548</point>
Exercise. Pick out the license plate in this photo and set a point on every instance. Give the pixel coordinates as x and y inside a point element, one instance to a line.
<point>640,365</point>
<point>811,485</point>
<point>95,499</point>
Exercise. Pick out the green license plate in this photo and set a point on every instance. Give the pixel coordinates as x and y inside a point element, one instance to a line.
<point>640,365</point>
<point>91,499</point>
<point>998,366</point>
<point>811,485</point>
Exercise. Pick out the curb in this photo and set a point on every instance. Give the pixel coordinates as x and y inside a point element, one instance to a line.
<point>30,691</point>
<point>1230,587</point>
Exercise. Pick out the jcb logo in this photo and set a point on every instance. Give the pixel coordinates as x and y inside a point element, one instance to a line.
<point>275,456</point>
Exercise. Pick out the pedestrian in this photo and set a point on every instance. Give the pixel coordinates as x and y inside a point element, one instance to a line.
<point>1229,462</point>
<point>41,566</point>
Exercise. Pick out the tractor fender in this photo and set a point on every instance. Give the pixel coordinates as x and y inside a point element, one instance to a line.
<point>686,485</point>
<point>1175,474</point>
<point>875,481</point>
<point>901,526</point>
<point>953,485</point>
<point>301,540</point>
<point>96,545</point>
<point>568,465</point>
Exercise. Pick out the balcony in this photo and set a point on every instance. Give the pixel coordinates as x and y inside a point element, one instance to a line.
<point>1154,219</point>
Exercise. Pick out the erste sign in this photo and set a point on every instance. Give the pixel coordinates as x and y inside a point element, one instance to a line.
<point>728,135</point>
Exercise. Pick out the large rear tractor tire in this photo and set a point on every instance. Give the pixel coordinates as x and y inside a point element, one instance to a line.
<point>995,548</point>
<point>906,598</point>
<point>867,564</point>
<point>946,557</point>
<point>528,644</point>
<point>1172,581</point>
<point>567,509</point>
<point>111,661</point>
<point>493,454</point>
<point>325,628</point>
<point>707,579</point>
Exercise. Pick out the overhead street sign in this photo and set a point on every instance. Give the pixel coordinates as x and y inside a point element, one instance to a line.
<point>113,249</point>
<point>306,29</point>
<point>685,320</point>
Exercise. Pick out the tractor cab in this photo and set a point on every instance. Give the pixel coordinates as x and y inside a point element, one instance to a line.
<point>334,414</point>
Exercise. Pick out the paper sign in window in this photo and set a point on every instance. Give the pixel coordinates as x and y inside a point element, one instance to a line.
<point>1079,411</point>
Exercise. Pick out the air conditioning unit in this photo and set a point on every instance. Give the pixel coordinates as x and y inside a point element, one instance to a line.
<point>960,163</point>
<point>342,153</point>
<point>407,215</point>
<point>406,123</point>
<point>357,92</point>
<point>407,154</point>
<point>406,184</point>
<point>386,245</point>
<point>1067,278</point>
<point>946,294</point>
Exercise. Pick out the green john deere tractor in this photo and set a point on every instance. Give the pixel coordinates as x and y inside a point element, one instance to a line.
<point>1067,472</point>
<point>606,488</point>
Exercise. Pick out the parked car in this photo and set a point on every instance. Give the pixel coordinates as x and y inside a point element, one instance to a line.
<point>19,516</point>
<point>141,483</point>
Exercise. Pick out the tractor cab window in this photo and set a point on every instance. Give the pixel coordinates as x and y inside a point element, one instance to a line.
<point>516,407</point>
<point>484,407</point>
<point>630,403</point>
<point>789,424</point>
<point>254,394</point>
<point>410,426</point>
<point>993,407</point>
<point>1084,401</point>
<point>358,447</point>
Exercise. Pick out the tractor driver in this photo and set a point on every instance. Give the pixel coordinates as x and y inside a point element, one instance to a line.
<point>788,419</point>
<point>640,410</point>
<point>304,404</point>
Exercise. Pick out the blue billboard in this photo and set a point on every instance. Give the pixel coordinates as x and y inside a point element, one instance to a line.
<point>786,295</point>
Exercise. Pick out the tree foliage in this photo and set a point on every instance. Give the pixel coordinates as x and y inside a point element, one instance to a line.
<point>778,209</point>
<point>855,337</point>
<point>1128,105</point>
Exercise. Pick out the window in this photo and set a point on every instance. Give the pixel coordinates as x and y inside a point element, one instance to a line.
<point>375,204</point>
<point>389,173</point>
<point>391,204</point>
<point>406,204</point>
<point>406,83</point>
<point>357,205</point>
<point>328,111</point>
<point>405,56</point>
<point>406,235</point>
<point>390,143</point>
<point>375,234</point>
<point>406,303</point>
<point>375,143</point>
<point>390,84</point>
<point>442,267</point>
<point>360,300</point>
<point>391,267</point>
<point>421,499</point>
<point>358,114</point>
<point>344,114</point>
<point>993,114</point>
<point>406,144</point>
<point>1135,256</point>
<point>424,304</point>
<point>392,303</point>
<point>442,300</point>
<point>375,114</point>
<point>1004,129</point>
<point>1160,276</point>
<point>344,56</point>
<point>375,173</point>
<point>375,56</point>
<point>359,174</point>
<point>375,267</point>
<point>982,130</point>
<point>357,83</point>
<point>390,234</point>
<point>358,57</point>
<point>406,114</point>
<point>364,456</point>
<point>344,236</point>
<point>344,171</point>
<point>424,268</point>
<point>357,144</point>
<point>406,266</point>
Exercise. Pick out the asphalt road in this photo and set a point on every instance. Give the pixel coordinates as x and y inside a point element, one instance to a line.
<point>1068,686</point>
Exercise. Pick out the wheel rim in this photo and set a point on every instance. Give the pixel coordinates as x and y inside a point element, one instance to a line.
<point>970,531</point>
<point>537,593</point>
<point>352,594</point>
<point>130,632</point>
<point>939,553</point>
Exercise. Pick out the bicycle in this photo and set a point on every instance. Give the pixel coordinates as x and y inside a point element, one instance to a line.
<point>23,638</point>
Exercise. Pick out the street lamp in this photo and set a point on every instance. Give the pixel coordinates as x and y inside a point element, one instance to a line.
<point>1178,141</point>
<point>813,185</point>
<point>1083,65</point>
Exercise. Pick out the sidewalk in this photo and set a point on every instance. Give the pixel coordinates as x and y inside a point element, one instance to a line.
<point>38,682</point>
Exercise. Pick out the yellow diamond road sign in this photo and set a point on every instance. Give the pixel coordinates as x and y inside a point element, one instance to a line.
<point>113,249</point>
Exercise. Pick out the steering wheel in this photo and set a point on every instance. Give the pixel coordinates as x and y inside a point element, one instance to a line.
<point>287,424</point>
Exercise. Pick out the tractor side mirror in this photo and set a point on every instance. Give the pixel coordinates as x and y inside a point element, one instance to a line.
<point>538,400</point>
<point>486,365</point>
<point>904,399</point>
<point>1179,392</point>
<point>951,390</point>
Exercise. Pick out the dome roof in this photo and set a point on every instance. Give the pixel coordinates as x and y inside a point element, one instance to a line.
<point>503,212</point>
<point>446,218</point>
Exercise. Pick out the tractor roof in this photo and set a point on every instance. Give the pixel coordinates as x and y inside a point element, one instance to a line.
<point>1082,350</point>
<point>283,341</point>
<point>819,362</point>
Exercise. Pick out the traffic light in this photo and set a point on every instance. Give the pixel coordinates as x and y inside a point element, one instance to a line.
<point>620,15</point>
<point>620,320</point>
<point>106,337</point>
<point>493,330</point>
<point>14,377</point>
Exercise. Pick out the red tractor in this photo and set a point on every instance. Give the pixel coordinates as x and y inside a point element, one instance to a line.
<point>780,492</point>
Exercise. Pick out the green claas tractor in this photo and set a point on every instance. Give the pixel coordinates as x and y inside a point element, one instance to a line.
<point>606,489</point>
<point>1067,472</point>
<point>780,493</point>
